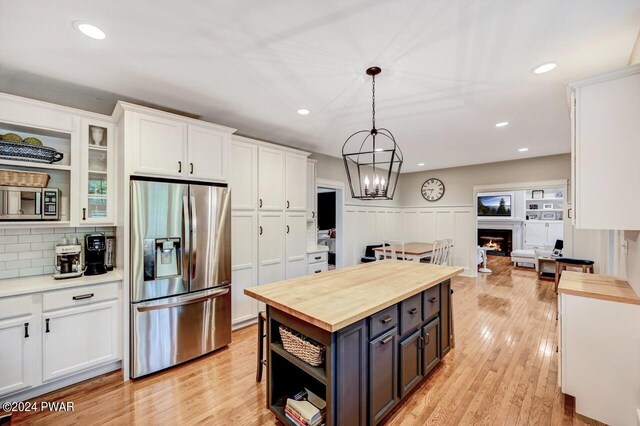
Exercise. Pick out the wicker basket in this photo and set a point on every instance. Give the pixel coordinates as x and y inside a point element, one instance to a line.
<point>302,347</point>
<point>20,178</point>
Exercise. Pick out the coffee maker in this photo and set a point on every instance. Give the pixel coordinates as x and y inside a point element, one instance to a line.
<point>68,260</point>
<point>94,250</point>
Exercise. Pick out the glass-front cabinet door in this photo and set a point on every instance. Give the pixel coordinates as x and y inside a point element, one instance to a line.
<point>97,177</point>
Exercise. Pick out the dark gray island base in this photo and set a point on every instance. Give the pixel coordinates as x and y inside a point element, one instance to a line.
<point>370,365</point>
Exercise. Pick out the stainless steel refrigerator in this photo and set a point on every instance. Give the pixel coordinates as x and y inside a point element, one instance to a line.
<point>180,272</point>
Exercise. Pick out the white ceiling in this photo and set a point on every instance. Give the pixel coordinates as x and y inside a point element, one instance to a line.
<point>451,69</point>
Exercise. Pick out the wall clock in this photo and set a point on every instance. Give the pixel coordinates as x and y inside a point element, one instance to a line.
<point>432,189</point>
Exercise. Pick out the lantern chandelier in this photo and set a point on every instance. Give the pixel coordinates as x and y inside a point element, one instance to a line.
<point>372,158</point>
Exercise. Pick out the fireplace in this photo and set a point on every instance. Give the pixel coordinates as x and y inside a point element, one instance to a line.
<point>499,241</point>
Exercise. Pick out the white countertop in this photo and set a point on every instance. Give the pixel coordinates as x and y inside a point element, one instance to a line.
<point>316,249</point>
<point>35,284</point>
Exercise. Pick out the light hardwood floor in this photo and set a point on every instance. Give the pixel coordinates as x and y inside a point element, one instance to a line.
<point>502,371</point>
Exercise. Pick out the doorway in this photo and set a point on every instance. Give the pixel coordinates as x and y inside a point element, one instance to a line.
<point>329,221</point>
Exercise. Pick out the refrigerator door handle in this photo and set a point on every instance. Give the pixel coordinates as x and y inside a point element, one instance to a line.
<point>186,238</point>
<point>181,300</point>
<point>194,236</point>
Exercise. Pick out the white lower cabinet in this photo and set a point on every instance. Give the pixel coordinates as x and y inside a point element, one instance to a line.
<point>79,330</point>
<point>271,247</point>
<point>18,354</point>
<point>538,234</point>
<point>296,244</point>
<point>79,338</point>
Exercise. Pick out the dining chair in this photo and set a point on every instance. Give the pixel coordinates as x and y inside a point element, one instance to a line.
<point>441,254</point>
<point>389,249</point>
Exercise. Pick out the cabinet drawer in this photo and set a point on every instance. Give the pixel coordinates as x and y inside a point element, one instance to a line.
<point>78,296</point>
<point>410,313</point>
<point>316,268</point>
<point>431,302</point>
<point>383,321</point>
<point>318,257</point>
<point>16,306</point>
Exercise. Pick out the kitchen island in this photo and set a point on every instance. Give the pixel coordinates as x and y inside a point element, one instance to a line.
<point>383,326</point>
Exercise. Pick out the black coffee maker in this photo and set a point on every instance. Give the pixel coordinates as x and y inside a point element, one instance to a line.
<point>94,249</point>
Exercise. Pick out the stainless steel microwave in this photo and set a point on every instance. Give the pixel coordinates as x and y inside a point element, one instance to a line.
<point>23,203</point>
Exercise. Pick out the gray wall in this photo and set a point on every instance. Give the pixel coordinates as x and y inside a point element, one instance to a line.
<point>459,181</point>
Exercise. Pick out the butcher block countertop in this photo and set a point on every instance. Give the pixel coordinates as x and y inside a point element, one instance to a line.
<point>603,287</point>
<point>335,299</point>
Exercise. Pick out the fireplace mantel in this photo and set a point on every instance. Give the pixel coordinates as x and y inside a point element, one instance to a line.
<point>500,224</point>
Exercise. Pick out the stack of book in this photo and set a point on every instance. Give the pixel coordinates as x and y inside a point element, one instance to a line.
<point>305,409</point>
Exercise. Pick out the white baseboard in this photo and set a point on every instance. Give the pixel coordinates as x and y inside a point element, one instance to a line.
<point>244,323</point>
<point>59,384</point>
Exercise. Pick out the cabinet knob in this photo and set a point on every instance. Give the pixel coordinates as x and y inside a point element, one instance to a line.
<point>433,300</point>
<point>313,215</point>
<point>191,166</point>
<point>84,213</point>
<point>413,311</point>
<point>179,166</point>
<point>386,319</point>
<point>386,340</point>
<point>261,230</point>
<point>318,271</point>
<point>26,330</point>
<point>318,257</point>
<point>46,326</point>
<point>427,336</point>
<point>287,229</point>
<point>288,204</point>
<point>260,203</point>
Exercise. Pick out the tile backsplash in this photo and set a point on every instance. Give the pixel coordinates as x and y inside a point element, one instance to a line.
<point>30,251</point>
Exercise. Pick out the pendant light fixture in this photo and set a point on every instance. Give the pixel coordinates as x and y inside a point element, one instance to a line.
<point>372,158</point>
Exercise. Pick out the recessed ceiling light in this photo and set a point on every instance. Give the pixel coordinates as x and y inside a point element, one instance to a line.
<point>90,30</point>
<point>303,111</point>
<point>420,164</point>
<point>541,69</point>
<point>523,149</point>
<point>502,124</point>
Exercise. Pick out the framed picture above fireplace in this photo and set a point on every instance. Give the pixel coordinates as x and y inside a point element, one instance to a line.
<point>495,205</point>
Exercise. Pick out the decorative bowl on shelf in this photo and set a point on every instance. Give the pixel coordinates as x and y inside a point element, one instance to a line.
<point>26,152</point>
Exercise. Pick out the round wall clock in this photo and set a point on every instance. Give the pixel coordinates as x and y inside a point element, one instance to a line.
<point>432,189</point>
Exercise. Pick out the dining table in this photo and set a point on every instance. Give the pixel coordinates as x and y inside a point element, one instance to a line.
<point>412,251</point>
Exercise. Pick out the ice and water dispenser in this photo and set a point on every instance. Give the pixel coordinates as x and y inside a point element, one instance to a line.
<point>162,258</point>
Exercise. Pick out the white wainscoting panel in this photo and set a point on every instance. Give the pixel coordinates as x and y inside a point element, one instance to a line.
<point>370,225</point>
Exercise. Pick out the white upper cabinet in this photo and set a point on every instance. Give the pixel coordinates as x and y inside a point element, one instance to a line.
<point>271,179</point>
<point>173,146</point>
<point>97,173</point>
<point>605,150</point>
<point>208,153</point>
<point>296,182</point>
<point>162,145</point>
<point>312,197</point>
<point>243,176</point>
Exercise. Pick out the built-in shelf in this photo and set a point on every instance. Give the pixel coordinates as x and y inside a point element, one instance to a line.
<point>544,199</point>
<point>317,373</point>
<point>33,165</point>
<point>97,172</point>
<point>97,148</point>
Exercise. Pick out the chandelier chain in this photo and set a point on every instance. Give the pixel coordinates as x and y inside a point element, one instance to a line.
<point>373,101</point>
